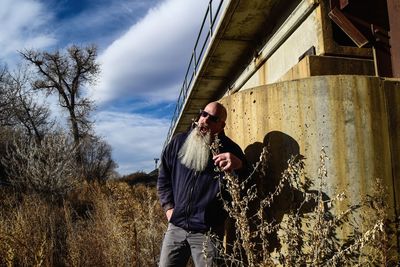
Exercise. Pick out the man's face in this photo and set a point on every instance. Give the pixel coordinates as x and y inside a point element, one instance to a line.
<point>211,119</point>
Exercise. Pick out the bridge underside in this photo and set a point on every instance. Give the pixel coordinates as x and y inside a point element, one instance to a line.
<point>250,32</point>
<point>239,36</point>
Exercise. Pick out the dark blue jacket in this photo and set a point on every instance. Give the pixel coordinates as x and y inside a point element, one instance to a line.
<point>193,195</point>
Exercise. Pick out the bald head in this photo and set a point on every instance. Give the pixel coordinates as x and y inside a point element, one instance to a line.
<point>213,118</point>
<point>217,109</point>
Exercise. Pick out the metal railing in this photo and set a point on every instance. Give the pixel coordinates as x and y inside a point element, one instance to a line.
<point>203,39</point>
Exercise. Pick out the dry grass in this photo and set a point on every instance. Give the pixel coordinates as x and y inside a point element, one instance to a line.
<point>109,224</point>
<point>120,223</point>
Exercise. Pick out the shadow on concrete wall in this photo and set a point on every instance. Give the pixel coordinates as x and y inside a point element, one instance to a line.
<point>281,148</point>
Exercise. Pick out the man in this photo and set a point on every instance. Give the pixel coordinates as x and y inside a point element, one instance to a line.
<point>189,188</point>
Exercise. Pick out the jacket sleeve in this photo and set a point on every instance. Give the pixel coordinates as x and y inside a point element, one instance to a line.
<point>164,182</point>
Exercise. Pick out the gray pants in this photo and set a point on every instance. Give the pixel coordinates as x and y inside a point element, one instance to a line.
<point>179,244</point>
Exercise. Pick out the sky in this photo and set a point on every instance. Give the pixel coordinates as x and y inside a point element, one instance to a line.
<point>144,49</point>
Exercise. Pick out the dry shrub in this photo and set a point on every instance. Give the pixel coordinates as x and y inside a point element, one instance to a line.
<point>47,168</point>
<point>140,178</point>
<point>96,160</point>
<point>374,232</point>
<point>311,231</point>
<point>317,238</point>
<point>99,224</point>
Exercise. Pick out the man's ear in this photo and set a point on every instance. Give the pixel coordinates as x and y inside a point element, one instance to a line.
<point>223,125</point>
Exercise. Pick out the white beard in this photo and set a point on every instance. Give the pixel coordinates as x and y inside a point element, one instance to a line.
<point>195,152</point>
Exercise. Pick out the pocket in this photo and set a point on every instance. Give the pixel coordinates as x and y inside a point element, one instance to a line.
<point>177,216</point>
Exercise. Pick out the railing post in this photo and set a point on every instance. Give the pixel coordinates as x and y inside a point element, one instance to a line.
<point>211,18</point>
<point>195,61</point>
<point>184,89</point>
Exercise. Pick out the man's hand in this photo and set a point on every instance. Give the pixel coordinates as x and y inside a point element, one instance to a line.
<point>169,213</point>
<point>227,161</point>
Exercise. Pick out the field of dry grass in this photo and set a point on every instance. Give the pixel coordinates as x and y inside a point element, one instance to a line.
<point>120,223</point>
<point>98,224</point>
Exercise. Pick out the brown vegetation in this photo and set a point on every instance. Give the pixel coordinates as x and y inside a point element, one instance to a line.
<point>108,224</point>
<point>311,233</point>
<point>120,223</point>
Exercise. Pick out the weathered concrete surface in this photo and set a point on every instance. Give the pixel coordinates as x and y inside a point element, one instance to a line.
<point>328,65</point>
<point>392,93</point>
<point>314,66</point>
<point>355,117</point>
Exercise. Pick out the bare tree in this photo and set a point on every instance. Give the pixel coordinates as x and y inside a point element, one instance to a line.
<point>18,106</point>
<point>97,163</point>
<point>66,74</point>
<point>5,100</point>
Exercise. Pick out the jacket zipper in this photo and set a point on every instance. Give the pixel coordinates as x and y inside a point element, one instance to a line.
<point>189,205</point>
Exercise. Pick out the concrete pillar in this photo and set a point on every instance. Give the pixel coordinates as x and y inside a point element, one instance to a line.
<point>357,119</point>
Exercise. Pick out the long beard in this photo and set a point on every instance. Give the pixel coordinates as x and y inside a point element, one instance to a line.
<point>195,152</point>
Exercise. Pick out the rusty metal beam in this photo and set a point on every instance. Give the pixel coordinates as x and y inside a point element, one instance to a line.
<point>394,22</point>
<point>362,32</point>
<point>348,27</point>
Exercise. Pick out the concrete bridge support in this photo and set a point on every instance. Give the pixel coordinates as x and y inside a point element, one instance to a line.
<point>357,119</point>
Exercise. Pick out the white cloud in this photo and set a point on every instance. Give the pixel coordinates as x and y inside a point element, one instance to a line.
<point>136,139</point>
<point>22,23</point>
<point>101,22</point>
<point>149,60</point>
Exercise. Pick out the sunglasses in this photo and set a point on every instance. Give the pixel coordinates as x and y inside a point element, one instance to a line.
<point>212,117</point>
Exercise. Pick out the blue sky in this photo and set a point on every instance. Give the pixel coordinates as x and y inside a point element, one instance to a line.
<point>144,48</point>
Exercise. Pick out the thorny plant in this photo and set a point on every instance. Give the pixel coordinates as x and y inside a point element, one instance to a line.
<point>309,232</point>
<point>238,209</point>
